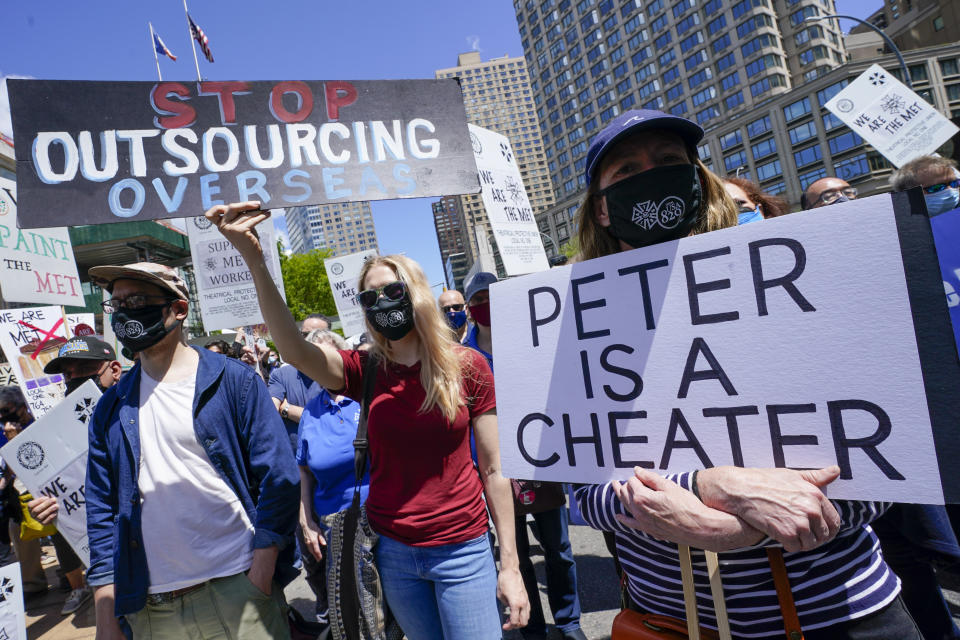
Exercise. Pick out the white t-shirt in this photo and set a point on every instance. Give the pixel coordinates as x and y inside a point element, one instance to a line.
<point>194,526</point>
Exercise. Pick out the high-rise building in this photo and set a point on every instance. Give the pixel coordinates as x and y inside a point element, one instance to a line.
<point>497,96</point>
<point>912,24</point>
<point>342,227</point>
<point>448,220</point>
<point>704,60</point>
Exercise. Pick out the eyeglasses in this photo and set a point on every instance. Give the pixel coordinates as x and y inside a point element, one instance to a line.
<point>392,291</point>
<point>832,195</point>
<point>451,307</point>
<point>130,303</point>
<point>936,188</point>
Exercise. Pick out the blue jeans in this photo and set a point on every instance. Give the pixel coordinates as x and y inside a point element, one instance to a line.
<point>561,572</point>
<point>448,591</point>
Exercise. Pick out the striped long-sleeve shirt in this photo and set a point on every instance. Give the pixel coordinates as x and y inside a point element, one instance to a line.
<point>844,579</point>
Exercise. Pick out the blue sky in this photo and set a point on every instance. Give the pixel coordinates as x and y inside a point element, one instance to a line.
<point>282,39</point>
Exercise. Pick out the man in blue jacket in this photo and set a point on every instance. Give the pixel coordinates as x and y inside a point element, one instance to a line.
<point>192,491</point>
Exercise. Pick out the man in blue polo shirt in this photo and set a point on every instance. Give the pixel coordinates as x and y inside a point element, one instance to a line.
<point>290,389</point>
<point>551,524</point>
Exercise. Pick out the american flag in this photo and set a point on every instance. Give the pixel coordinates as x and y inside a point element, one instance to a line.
<point>201,38</point>
<point>162,48</point>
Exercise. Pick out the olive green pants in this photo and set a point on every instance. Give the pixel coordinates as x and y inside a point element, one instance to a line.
<point>230,608</point>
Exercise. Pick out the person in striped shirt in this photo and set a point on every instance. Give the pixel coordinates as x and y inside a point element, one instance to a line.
<point>841,585</point>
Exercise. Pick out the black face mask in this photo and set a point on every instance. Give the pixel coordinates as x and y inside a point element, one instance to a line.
<point>392,319</point>
<point>654,206</point>
<point>74,383</point>
<point>139,329</point>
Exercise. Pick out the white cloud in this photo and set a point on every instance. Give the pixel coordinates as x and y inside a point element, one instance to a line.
<point>474,42</point>
<point>6,127</point>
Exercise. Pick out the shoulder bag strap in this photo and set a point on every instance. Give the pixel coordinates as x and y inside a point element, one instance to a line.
<point>791,621</point>
<point>690,594</point>
<point>360,444</point>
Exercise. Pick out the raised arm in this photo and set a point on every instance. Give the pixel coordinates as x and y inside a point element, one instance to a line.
<point>237,222</point>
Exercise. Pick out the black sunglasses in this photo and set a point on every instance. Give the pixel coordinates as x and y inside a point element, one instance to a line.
<point>392,291</point>
<point>452,307</point>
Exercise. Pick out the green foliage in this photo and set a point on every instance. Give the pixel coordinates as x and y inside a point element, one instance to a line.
<point>306,284</point>
<point>571,247</point>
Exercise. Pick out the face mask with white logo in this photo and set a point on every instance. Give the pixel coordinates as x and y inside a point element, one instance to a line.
<point>654,206</point>
<point>139,329</point>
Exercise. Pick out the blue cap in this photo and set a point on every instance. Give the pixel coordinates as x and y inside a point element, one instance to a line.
<point>637,120</point>
<point>479,282</point>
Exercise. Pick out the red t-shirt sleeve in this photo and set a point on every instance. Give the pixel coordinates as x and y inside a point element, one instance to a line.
<point>353,362</point>
<point>478,384</point>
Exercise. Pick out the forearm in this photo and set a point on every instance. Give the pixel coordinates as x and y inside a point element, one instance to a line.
<point>107,624</point>
<point>283,328</point>
<point>306,496</point>
<point>500,501</point>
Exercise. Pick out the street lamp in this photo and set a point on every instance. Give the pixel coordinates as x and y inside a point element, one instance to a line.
<point>886,39</point>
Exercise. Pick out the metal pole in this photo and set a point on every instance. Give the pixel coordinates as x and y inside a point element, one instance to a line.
<point>192,43</point>
<point>153,45</point>
<point>886,39</point>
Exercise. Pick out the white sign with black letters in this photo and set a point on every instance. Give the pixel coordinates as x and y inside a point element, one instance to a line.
<point>761,346</point>
<point>886,113</point>
<point>50,458</point>
<point>343,272</point>
<point>505,200</point>
<point>13,622</point>
<point>225,288</point>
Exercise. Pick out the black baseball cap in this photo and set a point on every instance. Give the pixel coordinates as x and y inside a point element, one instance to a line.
<point>80,348</point>
<point>633,121</point>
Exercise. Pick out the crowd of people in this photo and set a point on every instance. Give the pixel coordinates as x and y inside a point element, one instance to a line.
<point>214,473</point>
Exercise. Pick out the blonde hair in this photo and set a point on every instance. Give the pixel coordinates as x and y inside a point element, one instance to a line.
<point>718,211</point>
<point>441,365</point>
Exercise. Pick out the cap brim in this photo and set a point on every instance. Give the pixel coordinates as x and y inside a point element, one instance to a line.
<point>104,276</point>
<point>690,132</point>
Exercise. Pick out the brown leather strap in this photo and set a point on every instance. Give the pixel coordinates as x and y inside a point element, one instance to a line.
<point>791,622</point>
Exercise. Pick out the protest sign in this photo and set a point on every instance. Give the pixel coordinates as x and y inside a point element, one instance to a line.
<point>896,121</point>
<point>6,375</point>
<point>505,200</point>
<point>50,458</point>
<point>35,266</point>
<point>343,272</point>
<point>80,324</point>
<point>30,338</point>
<point>792,343</point>
<point>224,284</point>
<point>946,235</point>
<point>13,623</point>
<point>142,150</point>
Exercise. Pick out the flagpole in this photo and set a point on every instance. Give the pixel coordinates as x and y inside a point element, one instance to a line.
<point>192,43</point>
<point>153,45</point>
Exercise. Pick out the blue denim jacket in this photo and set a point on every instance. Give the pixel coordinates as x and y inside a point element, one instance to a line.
<point>239,428</point>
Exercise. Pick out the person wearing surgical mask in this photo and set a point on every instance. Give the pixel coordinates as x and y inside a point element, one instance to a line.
<point>752,203</point>
<point>827,191</point>
<point>453,306</point>
<point>937,176</point>
<point>646,185</point>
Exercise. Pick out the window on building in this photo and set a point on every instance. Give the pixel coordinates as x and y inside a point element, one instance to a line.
<point>918,73</point>
<point>796,109</point>
<point>674,92</point>
<point>721,43</point>
<point>663,40</point>
<point>694,39</point>
<point>704,95</point>
<point>761,41</point>
<point>831,121</point>
<point>692,61</point>
<point>950,67</point>
<point>640,55</point>
<point>769,170</point>
<point>679,109</point>
<point>938,23</point>
<point>761,63</point>
<point>688,23</point>
<point>703,151</point>
<point>803,133</point>
<point>659,23</point>
<point>807,156</point>
<point>700,77</point>
<point>730,81</point>
<point>749,26</point>
<point>705,115</point>
<point>667,57</point>
<point>852,168</point>
<point>953,92</point>
<point>712,7</point>
<point>726,62</point>
<point>733,100</point>
<point>656,103</point>
<point>799,16</point>
<point>744,6</point>
<point>670,75</point>
<point>764,148</point>
<point>716,24</point>
<point>844,142</point>
<point>645,72</point>
<point>730,140</point>
<point>734,161</point>
<point>761,125</point>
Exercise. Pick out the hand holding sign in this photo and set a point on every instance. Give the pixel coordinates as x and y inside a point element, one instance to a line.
<point>237,222</point>
<point>787,505</point>
<point>44,509</point>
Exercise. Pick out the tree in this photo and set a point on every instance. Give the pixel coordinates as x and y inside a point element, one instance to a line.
<point>305,282</point>
<point>571,247</point>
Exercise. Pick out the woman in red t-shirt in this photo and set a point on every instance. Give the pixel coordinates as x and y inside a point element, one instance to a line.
<point>426,499</point>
